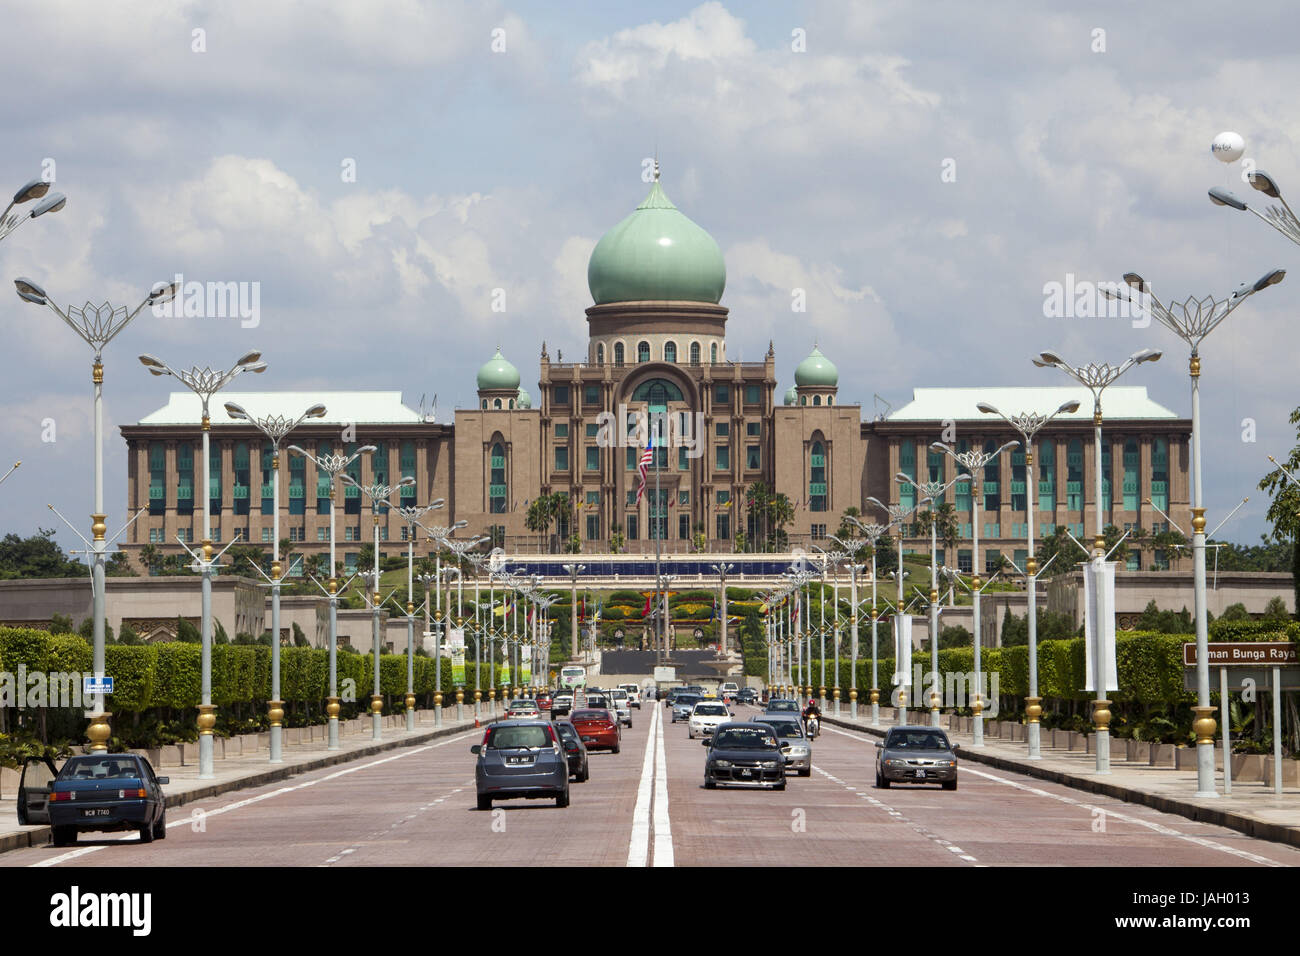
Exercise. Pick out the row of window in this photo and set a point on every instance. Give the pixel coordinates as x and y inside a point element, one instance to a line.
<point>669,353</point>
<point>562,394</point>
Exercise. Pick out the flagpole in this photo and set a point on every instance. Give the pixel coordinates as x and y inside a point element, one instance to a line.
<point>654,525</point>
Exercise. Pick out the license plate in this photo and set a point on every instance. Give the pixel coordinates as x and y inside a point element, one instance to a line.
<point>920,775</point>
<point>520,761</point>
<point>98,812</point>
<point>747,773</point>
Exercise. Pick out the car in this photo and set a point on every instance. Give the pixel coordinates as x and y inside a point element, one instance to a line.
<point>598,728</point>
<point>744,754</point>
<point>633,695</point>
<point>561,704</point>
<point>728,690</point>
<point>795,744</point>
<point>99,791</point>
<point>705,718</point>
<point>521,758</point>
<point>621,706</point>
<point>916,755</point>
<point>781,705</point>
<point>747,695</point>
<point>523,709</point>
<point>683,704</point>
<point>574,749</point>
<point>597,702</point>
<point>543,699</point>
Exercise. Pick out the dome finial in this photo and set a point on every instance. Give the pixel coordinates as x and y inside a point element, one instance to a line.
<point>656,162</point>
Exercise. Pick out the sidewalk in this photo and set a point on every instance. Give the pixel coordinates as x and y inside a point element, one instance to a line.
<point>1252,808</point>
<point>255,770</point>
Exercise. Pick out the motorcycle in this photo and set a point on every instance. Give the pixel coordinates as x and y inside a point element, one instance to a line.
<point>814,726</point>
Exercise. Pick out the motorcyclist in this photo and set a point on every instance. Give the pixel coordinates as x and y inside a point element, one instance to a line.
<point>812,712</point>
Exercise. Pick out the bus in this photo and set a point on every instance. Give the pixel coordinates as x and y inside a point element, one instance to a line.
<point>572,677</point>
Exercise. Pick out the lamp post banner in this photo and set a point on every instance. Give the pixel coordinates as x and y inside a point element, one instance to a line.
<point>526,668</point>
<point>456,641</point>
<point>902,648</point>
<point>1107,616</point>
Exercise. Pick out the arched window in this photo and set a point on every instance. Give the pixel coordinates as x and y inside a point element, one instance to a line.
<point>817,399</point>
<point>657,390</point>
<point>991,488</point>
<point>497,480</point>
<point>1160,473</point>
<point>713,353</point>
<point>512,403</point>
<point>496,403</point>
<point>817,478</point>
<point>830,399</point>
<point>695,353</point>
<point>618,354</point>
<point>1074,475</point>
<point>670,352</point>
<point>643,351</point>
<point>600,353</point>
<point>1131,475</point>
<point>485,403</point>
<point>803,399</point>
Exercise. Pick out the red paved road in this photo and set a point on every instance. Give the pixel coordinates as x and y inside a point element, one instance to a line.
<point>416,806</point>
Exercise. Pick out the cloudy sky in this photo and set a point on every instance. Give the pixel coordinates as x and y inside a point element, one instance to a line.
<point>921,171</point>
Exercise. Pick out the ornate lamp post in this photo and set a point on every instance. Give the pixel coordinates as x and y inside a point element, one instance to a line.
<point>932,491</point>
<point>275,428</point>
<point>1096,378</point>
<point>36,189</point>
<point>722,569</point>
<point>1280,216</point>
<point>1192,320</point>
<point>332,466</point>
<point>897,515</point>
<point>873,533</point>
<point>412,514</point>
<point>96,326</point>
<point>205,383</point>
<point>972,462</point>
<point>378,494</point>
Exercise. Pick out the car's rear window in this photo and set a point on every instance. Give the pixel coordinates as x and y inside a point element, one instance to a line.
<point>686,698</point>
<point>513,738</point>
<point>745,738</point>
<point>917,740</point>
<point>98,768</point>
<point>590,715</point>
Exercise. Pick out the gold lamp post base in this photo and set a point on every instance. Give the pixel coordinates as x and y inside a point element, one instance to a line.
<point>332,707</point>
<point>1101,715</point>
<point>275,712</point>
<point>437,699</point>
<point>98,732</point>
<point>376,704</point>
<point>1204,725</point>
<point>853,694</point>
<point>207,718</point>
<point>410,702</point>
<point>460,696</point>
<point>822,693</point>
<point>836,694</point>
<point>1033,709</point>
<point>875,695</point>
<point>478,695</point>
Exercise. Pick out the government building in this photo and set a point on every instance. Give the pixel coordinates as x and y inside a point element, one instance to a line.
<point>656,350</point>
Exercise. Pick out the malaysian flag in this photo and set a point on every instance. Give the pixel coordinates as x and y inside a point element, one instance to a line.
<point>643,465</point>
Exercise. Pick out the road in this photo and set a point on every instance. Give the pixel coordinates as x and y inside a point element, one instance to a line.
<point>646,806</point>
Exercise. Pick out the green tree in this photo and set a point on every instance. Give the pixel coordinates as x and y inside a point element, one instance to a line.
<point>1276,610</point>
<point>616,537</point>
<point>187,632</point>
<point>151,558</point>
<point>128,635</point>
<point>87,630</point>
<point>1235,612</point>
<point>1058,545</point>
<point>119,566</point>
<point>37,557</point>
<point>947,530</point>
<point>299,638</point>
<point>1284,510</point>
<point>244,558</point>
<point>954,636</point>
<point>60,624</point>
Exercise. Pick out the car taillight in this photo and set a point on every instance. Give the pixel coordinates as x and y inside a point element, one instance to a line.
<point>55,797</point>
<point>131,794</point>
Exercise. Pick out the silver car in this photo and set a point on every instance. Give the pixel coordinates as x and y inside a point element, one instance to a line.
<point>916,755</point>
<point>795,744</point>
<point>618,700</point>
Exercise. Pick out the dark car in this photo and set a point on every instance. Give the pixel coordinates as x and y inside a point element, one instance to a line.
<point>747,695</point>
<point>780,705</point>
<point>98,791</point>
<point>795,744</point>
<point>598,701</point>
<point>574,749</point>
<point>598,728</point>
<point>744,755</point>
<point>683,704</point>
<point>521,758</point>
<point>916,755</point>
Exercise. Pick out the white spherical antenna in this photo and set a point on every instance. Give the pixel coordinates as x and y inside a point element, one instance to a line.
<point>1228,147</point>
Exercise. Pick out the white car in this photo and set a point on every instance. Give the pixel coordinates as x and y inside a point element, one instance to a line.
<point>619,700</point>
<point>705,718</point>
<point>728,691</point>
<point>633,694</point>
<point>523,709</point>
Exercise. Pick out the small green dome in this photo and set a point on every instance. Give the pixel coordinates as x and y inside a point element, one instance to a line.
<point>791,398</point>
<point>498,373</point>
<point>656,253</point>
<point>525,400</point>
<point>816,370</point>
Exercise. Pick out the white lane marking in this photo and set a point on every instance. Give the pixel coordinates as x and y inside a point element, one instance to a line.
<point>240,804</point>
<point>1093,809</point>
<point>373,837</point>
<point>663,827</point>
<point>917,827</point>
<point>638,850</point>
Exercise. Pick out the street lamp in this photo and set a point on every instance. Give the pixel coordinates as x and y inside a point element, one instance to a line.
<point>439,535</point>
<point>972,462</point>
<point>1096,378</point>
<point>1280,217</point>
<point>873,532</point>
<point>36,189</point>
<point>1028,424</point>
<point>97,326</point>
<point>205,383</point>
<point>897,514</point>
<point>378,493</point>
<point>932,491</point>
<point>412,514</point>
<point>829,559</point>
<point>275,428</point>
<point>333,466</point>
<point>1192,320</point>
<point>573,570</point>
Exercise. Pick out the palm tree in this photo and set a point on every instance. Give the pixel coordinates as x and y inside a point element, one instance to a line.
<point>151,558</point>
<point>538,518</point>
<point>782,513</point>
